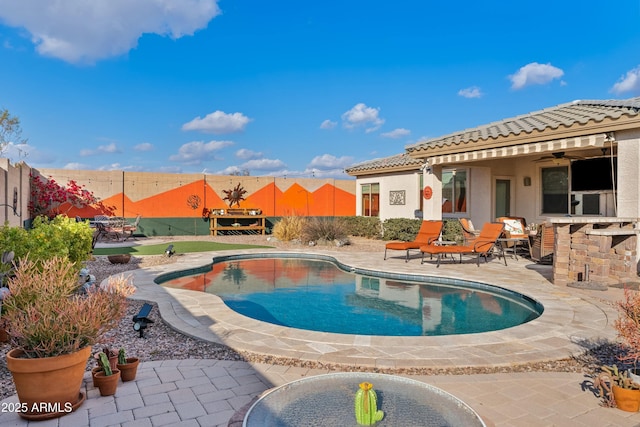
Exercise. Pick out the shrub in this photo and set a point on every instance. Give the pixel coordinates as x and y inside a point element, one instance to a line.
<point>404,229</point>
<point>363,226</point>
<point>60,236</point>
<point>289,228</point>
<point>46,315</point>
<point>324,229</point>
<point>452,231</point>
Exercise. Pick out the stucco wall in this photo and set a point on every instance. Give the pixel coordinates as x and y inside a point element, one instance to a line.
<point>164,195</point>
<point>14,177</point>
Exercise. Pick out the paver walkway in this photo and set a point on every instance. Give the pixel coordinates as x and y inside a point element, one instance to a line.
<point>209,392</point>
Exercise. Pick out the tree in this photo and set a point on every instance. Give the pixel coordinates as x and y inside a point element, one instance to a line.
<point>10,131</point>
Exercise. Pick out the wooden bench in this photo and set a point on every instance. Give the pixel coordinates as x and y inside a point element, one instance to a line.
<point>245,219</point>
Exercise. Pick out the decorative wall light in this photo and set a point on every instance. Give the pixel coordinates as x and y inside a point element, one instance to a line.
<point>527,181</point>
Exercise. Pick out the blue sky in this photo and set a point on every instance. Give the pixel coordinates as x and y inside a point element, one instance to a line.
<point>293,88</point>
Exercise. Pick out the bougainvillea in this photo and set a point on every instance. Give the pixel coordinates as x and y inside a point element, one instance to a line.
<point>49,198</point>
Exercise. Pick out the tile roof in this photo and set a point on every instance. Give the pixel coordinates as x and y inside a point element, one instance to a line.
<point>565,115</point>
<point>399,161</point>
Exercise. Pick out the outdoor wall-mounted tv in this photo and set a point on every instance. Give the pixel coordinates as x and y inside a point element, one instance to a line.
<point>593,174</point>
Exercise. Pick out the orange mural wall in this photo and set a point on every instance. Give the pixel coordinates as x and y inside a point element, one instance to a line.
<point>157,195</point>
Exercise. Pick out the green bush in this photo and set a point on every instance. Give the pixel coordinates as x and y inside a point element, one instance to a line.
<point>325,230</point>
<point>61,236</point>
<point>363,226</point>
<point>452,231</point>
<point>404,229</point>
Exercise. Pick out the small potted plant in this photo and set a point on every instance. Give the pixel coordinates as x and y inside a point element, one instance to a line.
<point>106,379</point>
<point>128,366</point>
<point>617,389</point>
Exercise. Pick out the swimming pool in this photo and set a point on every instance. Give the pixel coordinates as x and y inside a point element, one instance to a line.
<point>326,296</point>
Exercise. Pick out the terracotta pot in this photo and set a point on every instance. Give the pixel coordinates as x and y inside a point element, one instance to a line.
<point>128,370</point>
<point>4,336</point>
<point>119,259</point>
<point>107,384</point>
<point>627,400</point>
<point>113,362</point>
<point>49,387</point>
<point>94,371</point>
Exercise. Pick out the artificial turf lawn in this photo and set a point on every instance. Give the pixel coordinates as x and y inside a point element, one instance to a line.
<point>179,248</point>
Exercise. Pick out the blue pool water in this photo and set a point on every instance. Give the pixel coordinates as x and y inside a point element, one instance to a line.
<point>317,295</point>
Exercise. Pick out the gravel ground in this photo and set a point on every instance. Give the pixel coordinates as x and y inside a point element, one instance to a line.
<point>164,343</point>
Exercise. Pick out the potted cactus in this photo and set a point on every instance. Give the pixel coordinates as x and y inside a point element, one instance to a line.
<point>617,389</point>
<point>52,328</point>
<point>106,379</point>
<point>128,366</point>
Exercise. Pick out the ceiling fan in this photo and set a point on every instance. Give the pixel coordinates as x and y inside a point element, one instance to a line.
<point>558,155</point>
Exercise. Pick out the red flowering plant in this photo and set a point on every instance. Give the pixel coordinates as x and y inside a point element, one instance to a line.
<point>48,198</point>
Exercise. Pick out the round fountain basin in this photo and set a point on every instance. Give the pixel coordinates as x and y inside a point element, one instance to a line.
<point>329,400</point>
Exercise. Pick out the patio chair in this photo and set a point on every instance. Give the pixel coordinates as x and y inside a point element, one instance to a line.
<point>514,226</point>
<point>483,245</point>
<point>129,229</point>
<point>543,244</point>
<point>469,233</point>
<point>429,231</point>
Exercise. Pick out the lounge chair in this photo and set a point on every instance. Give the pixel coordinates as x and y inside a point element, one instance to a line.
<point>468,231</point>
<point>483,245</point>
<point>429,231</point>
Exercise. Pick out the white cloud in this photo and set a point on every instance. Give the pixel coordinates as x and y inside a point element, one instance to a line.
<point>195,152</point>
<point>534,74</point>
<point>263,164</point>
<point>145,146</point>
<point>628,83</point>
<point>361,115</point>
<point>328,124</point>
<point>229,170</point>
<point>102,149</point>
<point>328,161</point>
<point>80,31</point>
<point>245,154</point>
<point>396,133</point>
<point>76,166</point>
<point>218,122</point>
<point>470,92</point>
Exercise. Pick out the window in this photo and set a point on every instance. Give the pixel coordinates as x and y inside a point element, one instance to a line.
<point>371,199</point>
<point>555,190</point>
<point>454,191</point>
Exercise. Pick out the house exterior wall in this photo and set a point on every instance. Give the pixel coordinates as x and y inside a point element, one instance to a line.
<point>409,182</point>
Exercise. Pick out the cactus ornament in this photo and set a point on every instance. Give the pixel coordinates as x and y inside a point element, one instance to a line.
<point>366,405</point>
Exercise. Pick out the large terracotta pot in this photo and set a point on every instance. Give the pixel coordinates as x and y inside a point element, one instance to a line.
<point>128,370</point>
<point>48,387</point>
<point>627,400</point>
<point>107,384</point>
